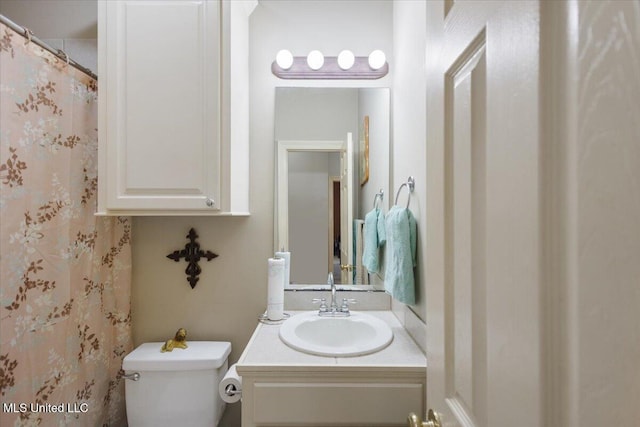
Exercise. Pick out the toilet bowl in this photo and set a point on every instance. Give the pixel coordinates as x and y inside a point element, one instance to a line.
<point>177,388</point>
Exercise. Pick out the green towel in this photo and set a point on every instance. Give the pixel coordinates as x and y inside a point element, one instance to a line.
<point>400,255</point>
<point>374,238</point>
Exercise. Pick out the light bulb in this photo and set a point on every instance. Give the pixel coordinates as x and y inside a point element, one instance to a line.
<point>346,59</point>
<point>315,59</point>
<point>377,59</point>
<point>284,59</point>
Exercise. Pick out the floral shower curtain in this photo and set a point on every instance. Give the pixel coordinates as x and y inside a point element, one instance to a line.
<point>65,274</point>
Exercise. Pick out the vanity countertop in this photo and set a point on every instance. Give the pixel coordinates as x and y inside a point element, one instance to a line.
<point>266,352</point>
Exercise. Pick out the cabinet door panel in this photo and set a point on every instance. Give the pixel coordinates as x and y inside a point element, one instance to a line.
<point>364,404</point>
<point>163,124</point>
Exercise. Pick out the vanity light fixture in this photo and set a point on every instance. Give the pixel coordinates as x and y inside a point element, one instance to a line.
<point>346,59</point>
<point>345,66</point>
<point>284,59</point>
<point>315,60</point>
<point>377,59</point>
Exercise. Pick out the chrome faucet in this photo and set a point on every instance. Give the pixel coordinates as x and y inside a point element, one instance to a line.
<point>333,309</point>
<point>332,285</point>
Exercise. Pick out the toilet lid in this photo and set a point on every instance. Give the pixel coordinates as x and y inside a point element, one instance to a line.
<point>198,355</point>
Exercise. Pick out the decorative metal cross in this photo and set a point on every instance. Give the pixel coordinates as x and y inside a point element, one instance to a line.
<point>192,254</point>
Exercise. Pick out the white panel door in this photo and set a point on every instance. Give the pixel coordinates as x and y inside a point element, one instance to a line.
<point>483,214</point>
<point>163,101</point>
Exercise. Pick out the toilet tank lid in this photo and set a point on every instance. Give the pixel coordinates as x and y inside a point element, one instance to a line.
<point>198,355</point>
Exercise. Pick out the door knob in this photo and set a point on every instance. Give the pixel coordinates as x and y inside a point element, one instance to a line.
<point>433,420</point>
<point>347,267</point>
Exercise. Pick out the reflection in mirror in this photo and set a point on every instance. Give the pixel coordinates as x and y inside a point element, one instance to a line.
<point>323,189</point>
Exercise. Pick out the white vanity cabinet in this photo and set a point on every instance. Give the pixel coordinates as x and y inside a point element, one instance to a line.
<point>284,387</point>
<point>173,107</point>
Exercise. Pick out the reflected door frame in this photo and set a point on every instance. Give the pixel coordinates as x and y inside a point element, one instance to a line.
<point>284,147</point>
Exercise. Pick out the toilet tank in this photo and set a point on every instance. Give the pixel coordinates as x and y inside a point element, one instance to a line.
<point>177,388</point>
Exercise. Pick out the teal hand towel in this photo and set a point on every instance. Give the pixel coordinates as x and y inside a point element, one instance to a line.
<point>400,255</point>
<point>374,238</point>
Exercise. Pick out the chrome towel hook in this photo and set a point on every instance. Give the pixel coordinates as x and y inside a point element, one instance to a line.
<point>379,197</point>
<point>410,184</point>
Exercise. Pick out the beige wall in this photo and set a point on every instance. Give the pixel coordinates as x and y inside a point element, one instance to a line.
<point>409,118</point>
<point>69,25</point>
<point>54,19</point>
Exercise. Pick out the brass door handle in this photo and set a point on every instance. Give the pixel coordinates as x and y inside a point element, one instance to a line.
<point>433,420</point>
<point>347,267</point>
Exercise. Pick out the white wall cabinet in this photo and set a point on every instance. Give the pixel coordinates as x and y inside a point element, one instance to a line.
<point>173,77</point>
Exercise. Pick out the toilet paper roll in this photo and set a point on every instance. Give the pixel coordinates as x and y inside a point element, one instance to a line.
<point>286,256</point>
<point>275,289</point>
<point>230,388</point>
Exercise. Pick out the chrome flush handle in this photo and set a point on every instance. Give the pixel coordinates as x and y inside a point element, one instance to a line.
<point>133,377</point>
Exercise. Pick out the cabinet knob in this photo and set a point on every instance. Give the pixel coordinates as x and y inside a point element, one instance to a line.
<point>210,202</point>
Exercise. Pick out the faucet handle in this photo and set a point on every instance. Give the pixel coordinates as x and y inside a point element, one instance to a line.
<point>323,304</point>
<point>345,304</point>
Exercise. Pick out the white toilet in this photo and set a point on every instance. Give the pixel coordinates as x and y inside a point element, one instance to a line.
<point>177,388</point>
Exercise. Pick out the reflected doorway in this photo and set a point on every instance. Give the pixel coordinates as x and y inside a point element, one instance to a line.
<point>334,228</point>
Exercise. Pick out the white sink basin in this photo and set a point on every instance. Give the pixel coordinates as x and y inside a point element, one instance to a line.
<point>355,335</point>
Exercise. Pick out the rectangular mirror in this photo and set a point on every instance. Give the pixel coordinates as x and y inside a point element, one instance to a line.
<point>332,156</point>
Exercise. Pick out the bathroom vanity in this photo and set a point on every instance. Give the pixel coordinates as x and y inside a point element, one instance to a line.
<point>285,387</point>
